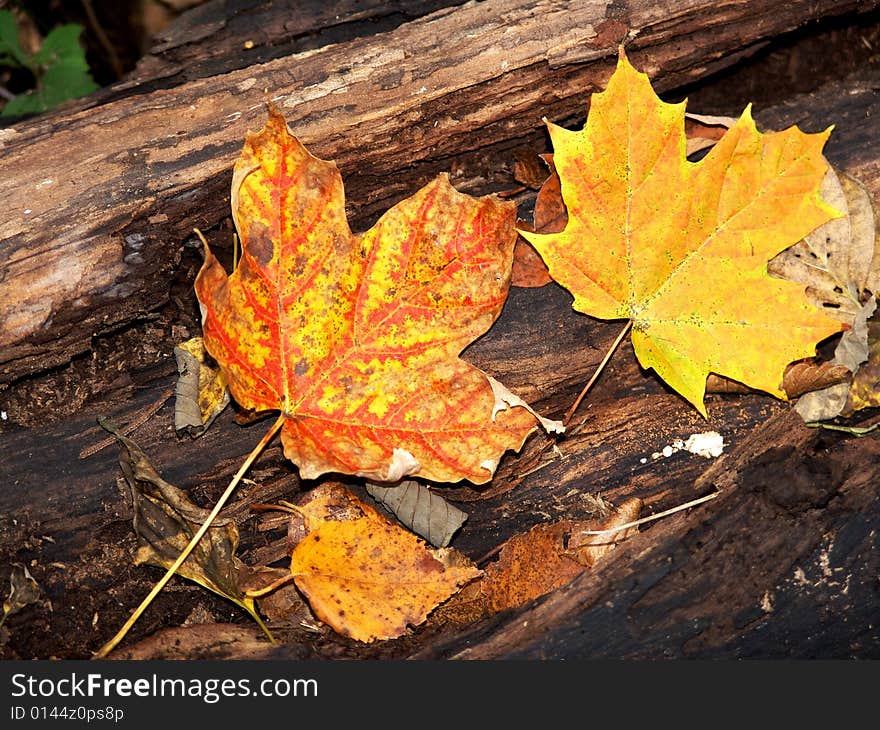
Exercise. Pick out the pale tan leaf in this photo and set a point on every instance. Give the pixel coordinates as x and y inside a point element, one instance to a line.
<point>851,351</point>
<point>834,261</point>
<point>201,393</point>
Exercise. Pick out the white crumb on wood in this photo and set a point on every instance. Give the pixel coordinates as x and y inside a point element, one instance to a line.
<point>708,444</point>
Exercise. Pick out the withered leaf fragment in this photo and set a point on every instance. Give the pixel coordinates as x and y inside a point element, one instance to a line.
<point>704,130</point>
<point>165,520</point>
<point>421,509</point>
<point>201,393</point>
<point>529,566</point>
<point>534,563</point>
<point>23,591</point>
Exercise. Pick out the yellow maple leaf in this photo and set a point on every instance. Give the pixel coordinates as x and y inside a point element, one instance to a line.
<point>681,249</point>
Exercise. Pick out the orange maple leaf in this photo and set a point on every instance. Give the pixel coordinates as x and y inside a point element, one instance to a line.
<point>356,338</point>
<point>681,249</point>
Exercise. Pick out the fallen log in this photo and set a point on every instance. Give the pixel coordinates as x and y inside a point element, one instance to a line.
<point>98,201</point>
<point>782,563</point>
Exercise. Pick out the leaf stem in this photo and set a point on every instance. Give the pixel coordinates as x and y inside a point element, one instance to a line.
<point>651,518</point>
<point>257,450</point>
<point>596,374</point>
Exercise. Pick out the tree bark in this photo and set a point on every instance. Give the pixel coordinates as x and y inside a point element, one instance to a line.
<point>99,200</point>
<point>783,563</point>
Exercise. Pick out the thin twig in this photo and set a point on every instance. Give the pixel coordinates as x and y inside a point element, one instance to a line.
<point>112,56</point>
<point>139,420</point>
<point>257,450</point>
<point>599,369</point>
<point>853,430</point>
<point>665,513</point>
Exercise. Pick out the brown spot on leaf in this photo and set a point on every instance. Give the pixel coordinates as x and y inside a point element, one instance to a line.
<point>259,243</point>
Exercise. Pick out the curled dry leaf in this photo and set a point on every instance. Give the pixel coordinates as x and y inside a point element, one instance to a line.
<point>356,338</point>
<point>704,130</point>
<point>587,549</point>
<point>680,248</point>
<point>850,353</point>
<point>23,591</point>
<point>201,393</point>
<point>365,576</point>
<point>529,269</point>
<point>421,509</point>
<point>864,391</point>
<point>165,520</point>
<point>799,377</point>
<point>547,557</point>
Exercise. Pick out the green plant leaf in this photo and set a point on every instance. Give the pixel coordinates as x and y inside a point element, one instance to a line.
<point>60,67</point>
<point>10,50</point>
<point>64,81</point>
<point>61,45</point>
<point>27,103</point>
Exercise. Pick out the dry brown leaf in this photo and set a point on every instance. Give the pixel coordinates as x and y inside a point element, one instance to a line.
<point>534,563</point>
<point>165,521</point>
<point>201,393</point>
<point>421,509</point>
<point>529,169</point>
<point>529,269</point>
<point>529,566</point>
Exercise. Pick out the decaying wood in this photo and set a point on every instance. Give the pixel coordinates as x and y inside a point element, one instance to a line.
<point>793,531</point>
<point>784,562</point>
<point>219,36</point>
<point>98,200</point>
